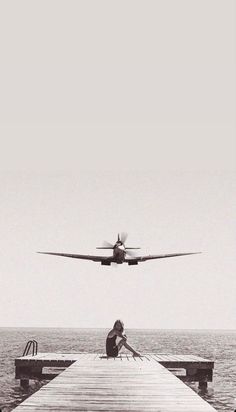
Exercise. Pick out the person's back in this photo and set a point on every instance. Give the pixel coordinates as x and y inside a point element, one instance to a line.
<point>111,347</point>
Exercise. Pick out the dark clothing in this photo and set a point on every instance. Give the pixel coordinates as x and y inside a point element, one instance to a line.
<point>111,347</point>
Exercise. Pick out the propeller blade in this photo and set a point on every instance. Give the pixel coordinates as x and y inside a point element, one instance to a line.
<point>123,237</point>
<point>130,253</point>
<point>107,244</point>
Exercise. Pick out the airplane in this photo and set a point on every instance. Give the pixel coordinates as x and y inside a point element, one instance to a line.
<point>120,253</point>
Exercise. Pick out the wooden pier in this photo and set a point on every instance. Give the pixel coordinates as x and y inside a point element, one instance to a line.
<point>93,382</point>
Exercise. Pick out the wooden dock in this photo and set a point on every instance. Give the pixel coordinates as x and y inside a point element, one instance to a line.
<point>47,366</point>
<point>94,382</point>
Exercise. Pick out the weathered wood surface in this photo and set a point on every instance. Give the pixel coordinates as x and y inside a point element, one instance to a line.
<point>97,383</point>
<point>34,367</point>
<point>66,359</point>
<point>72,357</point>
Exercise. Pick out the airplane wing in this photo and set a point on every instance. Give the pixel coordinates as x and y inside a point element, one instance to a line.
<point>135,260</point>
<point>104,260</point>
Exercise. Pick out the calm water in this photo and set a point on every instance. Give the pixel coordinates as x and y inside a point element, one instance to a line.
<point>217,345</point>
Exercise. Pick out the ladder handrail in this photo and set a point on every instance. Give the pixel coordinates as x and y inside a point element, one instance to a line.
<point>34,345</point>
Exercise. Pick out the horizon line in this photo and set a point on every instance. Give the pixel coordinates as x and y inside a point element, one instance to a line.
<point>103,327</point>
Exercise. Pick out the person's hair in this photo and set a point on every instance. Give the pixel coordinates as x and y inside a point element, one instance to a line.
<point>122,325</point>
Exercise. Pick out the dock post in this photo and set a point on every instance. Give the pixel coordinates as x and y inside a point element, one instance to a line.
<point>24,383</point>
<point>202,384</point>
<point>25,373</point>
<point>202,376</point>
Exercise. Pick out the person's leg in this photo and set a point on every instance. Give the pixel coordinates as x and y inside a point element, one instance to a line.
<point>124,343</point>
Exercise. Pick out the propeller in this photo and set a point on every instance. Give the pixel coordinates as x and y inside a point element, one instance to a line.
<point>106,245</point>
<point>130,253</point>
<point>123,237</point>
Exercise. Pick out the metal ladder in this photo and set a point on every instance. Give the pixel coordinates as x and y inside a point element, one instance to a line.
<point>34,345</point>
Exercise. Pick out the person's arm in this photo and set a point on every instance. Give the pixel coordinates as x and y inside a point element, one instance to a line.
<point>114,332</point>
<point>121,335</point>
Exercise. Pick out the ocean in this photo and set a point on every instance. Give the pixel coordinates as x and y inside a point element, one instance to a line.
<point>217,345</point>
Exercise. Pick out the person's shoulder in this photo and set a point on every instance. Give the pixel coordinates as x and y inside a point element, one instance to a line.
<point>112,333</point>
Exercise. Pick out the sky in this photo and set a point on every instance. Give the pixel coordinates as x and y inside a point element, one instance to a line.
<point>117,116</point>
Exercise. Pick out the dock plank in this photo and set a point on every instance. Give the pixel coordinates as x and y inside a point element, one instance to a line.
<point>97,383</point>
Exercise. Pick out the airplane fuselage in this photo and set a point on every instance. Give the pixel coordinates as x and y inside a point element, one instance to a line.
<point>119,253</point>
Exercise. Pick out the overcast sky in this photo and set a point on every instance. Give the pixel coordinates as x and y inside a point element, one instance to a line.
<point>117,116</point>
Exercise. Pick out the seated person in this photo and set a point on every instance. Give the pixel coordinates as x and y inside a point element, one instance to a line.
<point>112,349</point>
